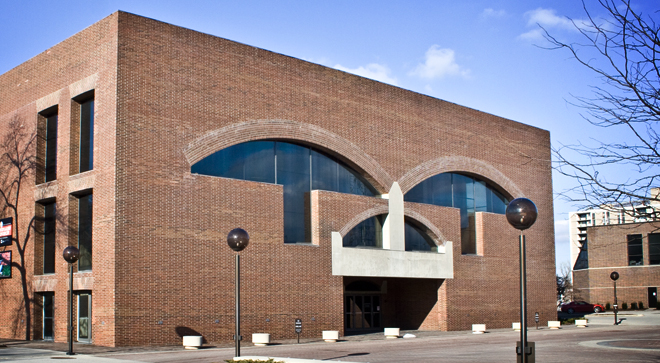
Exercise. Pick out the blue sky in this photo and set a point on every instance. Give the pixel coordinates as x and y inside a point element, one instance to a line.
<point>487,55</point>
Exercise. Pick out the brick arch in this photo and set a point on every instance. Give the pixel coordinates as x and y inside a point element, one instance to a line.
<point>459,164</point>
<point>334,144</point>
<point>375,211</point>
<point>433,231</point>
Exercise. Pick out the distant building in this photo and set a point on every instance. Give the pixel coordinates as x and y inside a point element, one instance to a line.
<point>626,240</point>
<point>367,205</point>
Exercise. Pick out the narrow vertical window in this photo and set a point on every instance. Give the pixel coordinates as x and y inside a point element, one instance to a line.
<point>654,248</point>
<point>49,239</point>
<point>85,232</point>
<point>47,146</point>
<point>86,135</point>
<point>635,250</point>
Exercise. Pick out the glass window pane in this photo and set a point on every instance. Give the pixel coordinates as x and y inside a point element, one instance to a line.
<point>87,135</point>
<point>51,148</point>
<point>85,232</point>
<point>369,233</point>
<point>49,238</point>
<point>294,175</point>
<point>418,240</point>
<point>324,172</point>
<point>480,196</point>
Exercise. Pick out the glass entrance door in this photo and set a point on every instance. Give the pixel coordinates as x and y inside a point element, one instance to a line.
<point>48,313</point>
<point>84,317</point>
<point>362,312</point>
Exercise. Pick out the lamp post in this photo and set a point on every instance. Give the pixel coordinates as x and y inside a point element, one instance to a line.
<point>615,276</point>
<point>237,240</point>
<point>521,213</point>
<point>71,255</point>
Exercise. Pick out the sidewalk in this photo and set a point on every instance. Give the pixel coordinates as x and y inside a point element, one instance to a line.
<point>637,339</point>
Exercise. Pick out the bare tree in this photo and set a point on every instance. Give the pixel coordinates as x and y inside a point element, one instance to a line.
<point>564,284</point>
<point>623,50</point>
<point>17,165</point>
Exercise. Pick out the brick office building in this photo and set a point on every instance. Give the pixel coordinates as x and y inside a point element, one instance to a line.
<point>628,244</point>
<point>367,205</point>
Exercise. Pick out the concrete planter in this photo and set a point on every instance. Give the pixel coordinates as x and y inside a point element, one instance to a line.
<point>261,339</point>
<point>330,336</point>
<point>391,333</point>
<point>515,326</point>
<point>478,328</point>
<point>192,341</point>
<point>553,324</point>
<point>581,323</point>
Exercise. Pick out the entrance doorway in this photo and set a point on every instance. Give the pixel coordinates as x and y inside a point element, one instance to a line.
<point>84,317</point>
<point>362,312</point>
<point>653,297</point>
<point>48,314</point>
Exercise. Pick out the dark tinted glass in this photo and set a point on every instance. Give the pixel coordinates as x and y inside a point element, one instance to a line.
<point>51,148</point>
<point>85,232</point>
<point>293,164</point>
<point>654,248</point>
<point>418,240</point>
<point>49,238</point>
<point>298,168</point>
<point>466,193</point>
<point>369,233</point>
<point>635,252</point>
<point>87,135</point>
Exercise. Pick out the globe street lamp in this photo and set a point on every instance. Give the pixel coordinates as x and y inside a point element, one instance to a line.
<point>237,240</point>
<point>615,276</point>
<point>521,213</point>
<point>71,255</point>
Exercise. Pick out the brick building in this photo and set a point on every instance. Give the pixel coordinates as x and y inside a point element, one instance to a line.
<point>367,205</point>
<point>629,245</point>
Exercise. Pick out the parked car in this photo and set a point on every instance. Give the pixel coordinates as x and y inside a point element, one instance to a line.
<point>581,307</point>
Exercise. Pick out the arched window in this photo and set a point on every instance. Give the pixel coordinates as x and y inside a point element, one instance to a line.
<point>468,194</point>
<point>298,168</point>
<point>417,239</point>
<point>369,233</point>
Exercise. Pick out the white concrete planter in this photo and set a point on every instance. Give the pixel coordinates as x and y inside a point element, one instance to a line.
<point>261,339</point>
<point>192,341</point>
<point>478,328</point>
<point>553,324</point>
<point>515,326</point>
<point>330,336</point>
<point>581,323</point>
<point>392,333</point>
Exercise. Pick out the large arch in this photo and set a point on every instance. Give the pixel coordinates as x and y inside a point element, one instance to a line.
<point>288,130</point>
<point>372,212</point>
<point>459,164</point>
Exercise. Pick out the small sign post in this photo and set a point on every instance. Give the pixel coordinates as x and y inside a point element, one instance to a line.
<point>298,328</point>
<point>536,319</point>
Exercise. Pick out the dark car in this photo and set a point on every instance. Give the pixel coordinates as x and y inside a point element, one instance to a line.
<point>581,307</point>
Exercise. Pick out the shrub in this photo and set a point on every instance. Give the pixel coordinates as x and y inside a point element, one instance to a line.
<point>608,306</point>
<point>633,306</point>
<point>624,306</point>
<point>641,305</point>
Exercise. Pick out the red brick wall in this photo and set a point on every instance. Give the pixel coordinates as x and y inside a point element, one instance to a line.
<point>608,252</point>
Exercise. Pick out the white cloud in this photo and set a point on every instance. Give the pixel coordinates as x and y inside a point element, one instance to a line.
<point>373,71</point>
<point>548,19</point>
<point>439,62</point>
<point>492,13</point>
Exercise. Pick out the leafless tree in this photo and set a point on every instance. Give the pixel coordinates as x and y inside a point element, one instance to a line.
<point>623,50</point>
<point>564,284</point>
<point>17,165</point>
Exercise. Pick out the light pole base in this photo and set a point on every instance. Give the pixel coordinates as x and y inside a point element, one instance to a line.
<point>531,352</point>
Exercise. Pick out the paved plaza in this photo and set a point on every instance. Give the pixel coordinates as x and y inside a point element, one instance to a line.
<point>636,339</point>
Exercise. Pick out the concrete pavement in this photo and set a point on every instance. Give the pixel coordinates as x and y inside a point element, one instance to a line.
<point>636,339</point>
